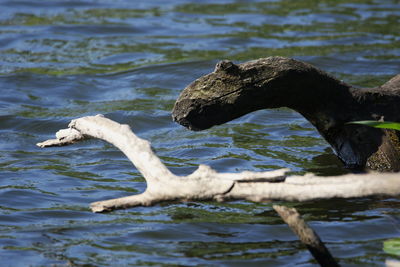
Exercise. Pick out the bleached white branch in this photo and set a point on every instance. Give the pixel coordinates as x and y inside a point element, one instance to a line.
<point>63,137</point>
<point>206,183</point>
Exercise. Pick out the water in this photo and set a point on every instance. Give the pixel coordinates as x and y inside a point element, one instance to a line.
<point>129,60</point>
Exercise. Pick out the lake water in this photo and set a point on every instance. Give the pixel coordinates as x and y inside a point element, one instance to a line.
<point>129,60</point>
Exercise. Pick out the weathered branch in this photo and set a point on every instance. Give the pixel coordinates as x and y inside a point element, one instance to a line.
<point>205,183</point>
<point>306,235</point>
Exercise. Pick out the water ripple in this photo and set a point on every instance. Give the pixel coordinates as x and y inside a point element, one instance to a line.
<point>64,59</point>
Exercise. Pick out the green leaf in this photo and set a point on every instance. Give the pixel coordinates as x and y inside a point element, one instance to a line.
<point>392,246</point>
<point>379,124</point>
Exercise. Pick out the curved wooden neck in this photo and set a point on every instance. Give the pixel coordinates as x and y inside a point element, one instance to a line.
<point>329,105</point>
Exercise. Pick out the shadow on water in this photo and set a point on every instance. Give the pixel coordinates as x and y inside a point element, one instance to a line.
<point>63,59</point>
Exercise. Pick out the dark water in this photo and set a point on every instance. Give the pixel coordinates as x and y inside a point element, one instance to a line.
<point>129,60</point>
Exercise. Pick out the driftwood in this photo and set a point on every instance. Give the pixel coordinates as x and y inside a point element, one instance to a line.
<point>306,235</point>
<point>205,183</point>
<point>233,90</point>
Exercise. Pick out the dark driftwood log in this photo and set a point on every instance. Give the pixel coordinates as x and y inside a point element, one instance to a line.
<point>235,90</point>
<point>306,235</point>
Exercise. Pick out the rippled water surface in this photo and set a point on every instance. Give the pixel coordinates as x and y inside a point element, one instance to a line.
<point>129,60</point>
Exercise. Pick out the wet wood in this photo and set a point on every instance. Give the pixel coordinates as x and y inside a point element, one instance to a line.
<point>306,235</point>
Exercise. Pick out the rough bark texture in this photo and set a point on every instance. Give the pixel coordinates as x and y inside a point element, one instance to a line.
<point>205,183</point>
<point>329,104</point>
<point>306,235</point>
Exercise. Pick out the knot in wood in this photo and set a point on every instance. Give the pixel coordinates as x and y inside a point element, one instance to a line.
<point>226,66</point>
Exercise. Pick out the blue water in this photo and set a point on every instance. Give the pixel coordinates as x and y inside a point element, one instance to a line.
<point>129,60</point>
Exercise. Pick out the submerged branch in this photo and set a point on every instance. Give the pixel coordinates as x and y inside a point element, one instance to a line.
<point>206,183</point>
<point>306,235</point>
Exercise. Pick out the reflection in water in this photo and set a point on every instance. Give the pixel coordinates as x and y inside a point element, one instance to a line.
<point>64,59</point>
